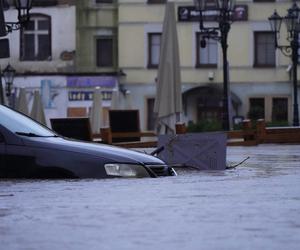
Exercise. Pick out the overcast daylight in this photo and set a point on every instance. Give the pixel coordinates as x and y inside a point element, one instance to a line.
<point>149,124</point>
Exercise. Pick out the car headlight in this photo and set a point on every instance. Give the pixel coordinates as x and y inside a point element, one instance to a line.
<point>125,170</point>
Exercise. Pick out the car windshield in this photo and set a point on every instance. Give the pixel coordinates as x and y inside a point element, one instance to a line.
<point>21,124</point>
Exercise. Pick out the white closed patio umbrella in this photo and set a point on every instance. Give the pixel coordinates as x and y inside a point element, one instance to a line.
<point>114,103</point>
<point>37,111</point>
<point>22,103</point>
<point>128,100</point>
<point>96,111</point>
<point>168,100</point>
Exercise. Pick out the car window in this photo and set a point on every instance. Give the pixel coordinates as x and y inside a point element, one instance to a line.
<point>18,123</point>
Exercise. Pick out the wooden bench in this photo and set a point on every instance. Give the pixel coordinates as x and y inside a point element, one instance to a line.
<point>108,137</point>
<point>245,137</point>
<point>146,138</point>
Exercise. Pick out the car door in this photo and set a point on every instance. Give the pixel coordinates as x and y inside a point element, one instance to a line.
<point>16,159</point>
<point>19,161</point>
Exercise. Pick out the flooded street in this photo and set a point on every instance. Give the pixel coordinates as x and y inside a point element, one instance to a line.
<point>255,206</point>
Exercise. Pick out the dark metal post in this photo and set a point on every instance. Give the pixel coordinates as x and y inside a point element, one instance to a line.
<point>295,47</point>
<point>224,30</point>
<point>2,21</point>
<point>291,50</point>
<point>1,89</point>
<point>219,33</point>
<point>225,113</point>
<point>8,94</point>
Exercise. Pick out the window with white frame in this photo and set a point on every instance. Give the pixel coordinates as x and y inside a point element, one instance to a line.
<point>36,39</point>
<point>208,56</point>
<point>154,42</point>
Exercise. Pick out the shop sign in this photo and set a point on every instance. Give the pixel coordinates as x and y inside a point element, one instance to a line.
<point>87,95</point>
<point>190,14</point>
<point>91,81</point>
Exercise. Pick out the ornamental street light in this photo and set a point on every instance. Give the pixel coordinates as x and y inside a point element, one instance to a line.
<point>223,15</point>
<point>23,7</point>
<point>9,75</point>
<point>292,22</point>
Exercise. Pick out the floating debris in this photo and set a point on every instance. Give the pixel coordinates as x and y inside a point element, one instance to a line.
<point>236,165</point>
<point>6,195</point>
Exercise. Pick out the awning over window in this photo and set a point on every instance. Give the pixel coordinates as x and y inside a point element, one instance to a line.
<point>211,91</point>
<point>92,81</point>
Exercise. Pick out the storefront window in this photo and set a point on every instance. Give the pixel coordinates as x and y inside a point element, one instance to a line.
<point>257,108</point>
<point>280,109</point>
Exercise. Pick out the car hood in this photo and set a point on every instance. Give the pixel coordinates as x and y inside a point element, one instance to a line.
<point>112,153</point>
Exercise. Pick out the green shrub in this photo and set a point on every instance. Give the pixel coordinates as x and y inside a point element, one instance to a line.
<point>256,113</point>
<point>204,126</point>
<point>237,126</point>
<point>277,124</point>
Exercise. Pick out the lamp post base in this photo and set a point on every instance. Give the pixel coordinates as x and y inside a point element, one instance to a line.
<point>296,116</point>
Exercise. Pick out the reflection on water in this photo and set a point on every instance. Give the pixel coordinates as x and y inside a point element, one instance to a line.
<point>255,206</point>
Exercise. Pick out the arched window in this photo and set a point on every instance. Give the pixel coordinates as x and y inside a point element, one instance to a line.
<point>35,42</point>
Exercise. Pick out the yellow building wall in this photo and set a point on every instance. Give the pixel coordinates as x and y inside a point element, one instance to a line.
<point>134,16</point>
<point>137,13</point>
<point>93,20</point>
<point>131,46</point>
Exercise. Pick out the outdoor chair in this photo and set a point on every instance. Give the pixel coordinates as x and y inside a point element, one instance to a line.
<point>76,128</point>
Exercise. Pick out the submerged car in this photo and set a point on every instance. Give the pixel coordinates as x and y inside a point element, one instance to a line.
<point>31,150</point>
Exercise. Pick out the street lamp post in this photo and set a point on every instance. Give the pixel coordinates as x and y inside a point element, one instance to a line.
<point>223,10</point>
<point>1,89</point>
<point>293,28</point>
<point>23,7</point>
<point>9,75</point>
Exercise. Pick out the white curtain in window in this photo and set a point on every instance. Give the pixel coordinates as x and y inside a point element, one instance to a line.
<point>155,49</point>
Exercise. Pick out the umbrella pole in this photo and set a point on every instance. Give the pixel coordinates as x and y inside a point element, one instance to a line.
<point>177,116</point>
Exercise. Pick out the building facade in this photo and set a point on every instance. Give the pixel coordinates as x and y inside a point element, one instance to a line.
<point>43,54</point>
<point>73,46</point>
<point>260,80</point>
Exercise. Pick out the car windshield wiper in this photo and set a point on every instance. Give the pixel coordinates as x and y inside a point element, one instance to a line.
<point>34,135</point>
